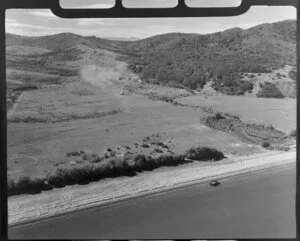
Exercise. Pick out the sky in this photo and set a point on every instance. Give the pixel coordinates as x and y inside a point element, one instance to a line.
<point>40,22</point>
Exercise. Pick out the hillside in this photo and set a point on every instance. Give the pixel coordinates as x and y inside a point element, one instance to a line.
<point>58,42</point>
<point>175,59</point>
<point>192,60</point>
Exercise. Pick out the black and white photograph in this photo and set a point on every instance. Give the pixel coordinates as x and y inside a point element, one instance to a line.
<point>151,128</point>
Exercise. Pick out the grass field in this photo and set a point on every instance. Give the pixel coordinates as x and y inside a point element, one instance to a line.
<point>63,103</point>
<point>281,113</point>
<point>39,148</point>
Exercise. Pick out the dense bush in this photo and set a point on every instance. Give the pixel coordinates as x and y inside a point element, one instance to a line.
<point>116,167</point>
<point>269,90</point>
<point>218,116</point>
<point>230,84</point>
<point>26,185</point>
<point>265,144</point>
<point>197,80</point>
<point>161,144</point>
<point>204,154</point>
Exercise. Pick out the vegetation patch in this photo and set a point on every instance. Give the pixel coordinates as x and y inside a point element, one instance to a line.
<point>204,154</point>
<point>230,84</point>
<point>266,144</point>
<point>250,133</point>
<point>293,74</point>
<point>129,165</point>
<point>293,133</point>
<point>75,153</point>
<point>269,90</point>
<point>145,145</point>
<point>11,98</point>
<point>13,93</point>
<point>157,150</point>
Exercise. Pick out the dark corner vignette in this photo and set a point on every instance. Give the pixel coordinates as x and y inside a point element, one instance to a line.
<point>118,11</point>
<point>3,149</point>
<point>298,125</point>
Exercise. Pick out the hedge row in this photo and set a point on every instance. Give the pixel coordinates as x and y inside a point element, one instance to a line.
<point>127,166</point>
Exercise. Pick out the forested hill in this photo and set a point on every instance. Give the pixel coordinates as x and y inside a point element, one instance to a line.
<point>192,59</point>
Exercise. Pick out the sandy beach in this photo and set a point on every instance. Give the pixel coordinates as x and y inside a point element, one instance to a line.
<point>28,208</point>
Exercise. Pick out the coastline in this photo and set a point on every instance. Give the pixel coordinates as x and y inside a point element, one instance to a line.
<point>30,208</point>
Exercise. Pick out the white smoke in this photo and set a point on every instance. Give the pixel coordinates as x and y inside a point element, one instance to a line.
<point>99,76</point>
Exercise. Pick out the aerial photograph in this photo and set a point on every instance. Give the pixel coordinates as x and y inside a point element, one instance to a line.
<point>151,128</point>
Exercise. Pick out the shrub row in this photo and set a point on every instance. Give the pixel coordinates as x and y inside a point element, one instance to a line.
<point>127,166</point>
<point>26,88</point>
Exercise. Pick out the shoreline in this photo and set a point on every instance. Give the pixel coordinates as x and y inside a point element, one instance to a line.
<point>27,209</point>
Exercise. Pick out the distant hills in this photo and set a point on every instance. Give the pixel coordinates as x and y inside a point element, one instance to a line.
<point>191,60</point>
<point>60,41</point>
<point>123,39</point>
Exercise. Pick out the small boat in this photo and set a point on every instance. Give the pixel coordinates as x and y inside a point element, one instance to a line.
<point>215,183</point>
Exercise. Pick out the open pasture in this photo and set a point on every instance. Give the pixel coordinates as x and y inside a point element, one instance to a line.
<point>40,148</point>
<point>281,113</point>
